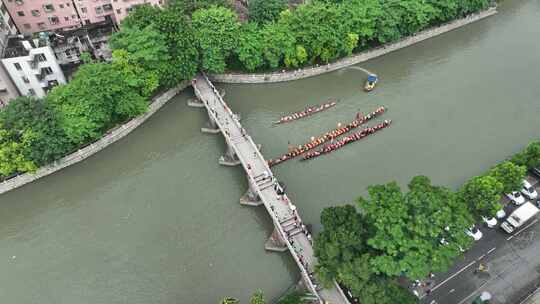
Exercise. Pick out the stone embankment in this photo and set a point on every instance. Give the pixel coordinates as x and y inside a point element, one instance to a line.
<point>83,153</point>
<point>353,59</point>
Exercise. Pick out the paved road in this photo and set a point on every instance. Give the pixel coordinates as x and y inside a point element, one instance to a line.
<point>281,210</point>
<point>513,262</point>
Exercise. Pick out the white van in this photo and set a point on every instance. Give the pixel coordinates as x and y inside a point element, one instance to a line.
<point>519,217</point>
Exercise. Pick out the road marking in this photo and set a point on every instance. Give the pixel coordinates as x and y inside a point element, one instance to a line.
<point>474,292</point>
<point>450,277</point>
<point>530,296</point>
<point>512,236</point>
<point>491,250</point>
<point>481,257</point>
<point>452,290</point>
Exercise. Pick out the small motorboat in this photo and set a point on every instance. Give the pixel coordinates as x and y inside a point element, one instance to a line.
<point>371,82</point>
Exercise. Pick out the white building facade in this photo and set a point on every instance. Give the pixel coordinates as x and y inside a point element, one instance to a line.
<point>33,70</point>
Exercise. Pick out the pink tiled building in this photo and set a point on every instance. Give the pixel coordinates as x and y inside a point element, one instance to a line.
<point>35,16</point>
<point>32,16</point>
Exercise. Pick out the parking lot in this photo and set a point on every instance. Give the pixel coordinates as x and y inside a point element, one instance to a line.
<point>513,262</point>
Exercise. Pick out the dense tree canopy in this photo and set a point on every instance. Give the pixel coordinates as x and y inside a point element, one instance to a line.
<point>35,121</point>
<point>530,157</point>
<point>482,193</point>
<point>216,31</point>
<point>509,175</point>
<point>261,11</point>
<point>408,228</point>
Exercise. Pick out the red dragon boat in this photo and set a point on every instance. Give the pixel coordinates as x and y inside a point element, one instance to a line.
<point>306,112</point>
<point>347,140</point>
<point>358,121</point>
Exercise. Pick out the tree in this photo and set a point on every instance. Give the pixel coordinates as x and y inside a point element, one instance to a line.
<point>216,31</point>
<point>189,6</point>
<point>262,11</point>
<point>291,298</point>
<point>145,47</point>
<point>509,175</point>
<point>257,298</point>
<point>250,47</point>
<point>340,243</point>
<point>483,193</point>
<point>143,16</point>
<point>360,17</point>
<point>37,120</point>
<point>408,229</point>
<point>530,157</point>
<point>12,159</point>
<point>318,28</point>
<point>99,96</point>
<point>177,37</point>
<point>445,10</point>
<point>279,45</point>
<point>181,43</point>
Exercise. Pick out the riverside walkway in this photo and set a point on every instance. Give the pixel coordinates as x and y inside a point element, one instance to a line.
<point>263,189</point>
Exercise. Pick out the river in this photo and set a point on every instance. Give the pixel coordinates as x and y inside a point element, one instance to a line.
<point>155,219</point>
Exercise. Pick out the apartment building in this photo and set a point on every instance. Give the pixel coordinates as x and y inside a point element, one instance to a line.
<point>93,38</point>
<point>32,66</point>
<point>32,16</point>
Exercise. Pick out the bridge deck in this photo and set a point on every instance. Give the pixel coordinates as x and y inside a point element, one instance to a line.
<point>255,166</point>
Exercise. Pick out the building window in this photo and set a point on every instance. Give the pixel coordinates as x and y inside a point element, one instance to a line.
<point>66,18</point>
<point>48,70</point>
<point>31,92</point>
<point>61,6</point>
<point>17,66</point>
<point>41,25</point>
<point>54,20</point>
<point>84,10</point>
<point>19,2</point>
<point>107,7</point>
<point>86,21</point>
<point>36,13</point>
<point>27,26</point>
<point>25,79</point>
<point>119,11</point>
<point>67,4</point>
<point>41,57</point>
<point>73,17</point>
<point>48,8</point>
<point>20,13</point>
<point>99,10</point>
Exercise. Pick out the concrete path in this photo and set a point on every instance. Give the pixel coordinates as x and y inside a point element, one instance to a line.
<point>289,233</point>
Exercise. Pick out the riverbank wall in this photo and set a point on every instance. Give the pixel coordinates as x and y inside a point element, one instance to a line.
<point>112,136</point>
<point>353,59</point>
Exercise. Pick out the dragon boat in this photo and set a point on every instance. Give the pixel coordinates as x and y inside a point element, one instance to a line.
<point>347,140</point>
<point>306,112</point>
<point>358,121</point>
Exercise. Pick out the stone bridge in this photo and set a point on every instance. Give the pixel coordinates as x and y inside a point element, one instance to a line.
<point>263,189</point>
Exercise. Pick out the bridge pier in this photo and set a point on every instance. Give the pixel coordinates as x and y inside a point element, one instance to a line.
<point>195,103</point>
<point>229,158</point>
<point>250,198</point>
<point>211,126</point>
<point>275,242</point>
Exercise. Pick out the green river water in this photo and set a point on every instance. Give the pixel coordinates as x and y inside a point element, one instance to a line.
<point>155,219</point>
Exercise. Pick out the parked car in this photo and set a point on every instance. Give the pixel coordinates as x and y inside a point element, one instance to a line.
<point>529,190</point>
<point>474,232</point>
<point>516,198</point>
<point>536,171</point>
<point>500,214</point>
<point>490,222</point>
